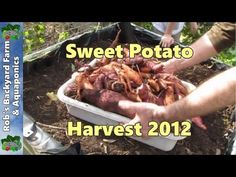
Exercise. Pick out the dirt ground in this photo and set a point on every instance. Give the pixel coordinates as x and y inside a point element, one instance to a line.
<point>51,76</point>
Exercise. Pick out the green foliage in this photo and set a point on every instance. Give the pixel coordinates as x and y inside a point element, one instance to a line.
<point>41,35</point>
<point>228,56</point>
<point>34,37</point>
<point>187,37</point>
<point>97,27</point>
<point>63,36</point>
<point>146,25</point>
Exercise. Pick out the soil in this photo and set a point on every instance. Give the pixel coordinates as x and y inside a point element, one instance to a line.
<point>50,77</point>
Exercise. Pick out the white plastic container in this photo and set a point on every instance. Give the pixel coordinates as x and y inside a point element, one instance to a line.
<point>98,116</point>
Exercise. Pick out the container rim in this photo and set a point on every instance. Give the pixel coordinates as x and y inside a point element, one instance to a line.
<point>93,109</point>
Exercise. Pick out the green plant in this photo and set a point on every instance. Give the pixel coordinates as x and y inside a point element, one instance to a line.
<point>228,56</point>
<point>187,37</point>
<point>97,27</point>
<point>146,25</point>
<point>34,37</point>
<point>63,36</point>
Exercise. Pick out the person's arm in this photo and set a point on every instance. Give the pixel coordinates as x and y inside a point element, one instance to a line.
<point>212,95</point>
<point>203,49</point>
<point>167,38</point>
<point>220,36</point>
<point>169,28</point>
<point>193,27</point>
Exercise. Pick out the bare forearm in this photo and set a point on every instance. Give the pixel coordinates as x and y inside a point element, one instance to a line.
<point>203,50</point>
<point>193,23</point>
<point>212,95</point>
<point>170,27</point>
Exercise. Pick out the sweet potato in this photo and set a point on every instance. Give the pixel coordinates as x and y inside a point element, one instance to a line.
<point>154,85</point>
<point>169,96</point>
<point>105,99</point>
<point>146,95</point>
